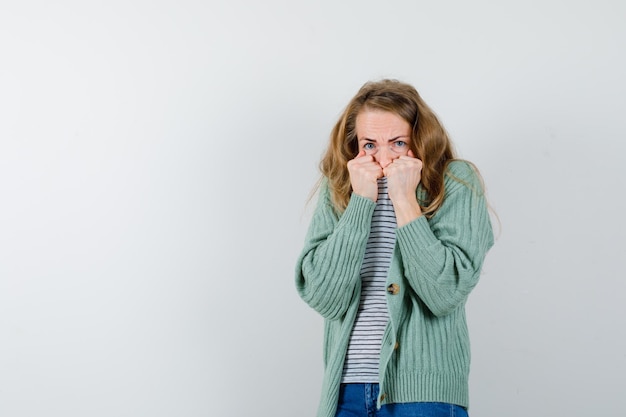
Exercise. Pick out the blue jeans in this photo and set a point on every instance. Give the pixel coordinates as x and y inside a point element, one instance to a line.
<point>359,400</point>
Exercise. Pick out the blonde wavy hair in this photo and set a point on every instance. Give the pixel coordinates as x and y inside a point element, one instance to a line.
<point>429,141</point>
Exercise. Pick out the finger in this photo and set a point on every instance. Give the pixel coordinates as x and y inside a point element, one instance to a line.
<point>411,154</point>
<point>363,157</point>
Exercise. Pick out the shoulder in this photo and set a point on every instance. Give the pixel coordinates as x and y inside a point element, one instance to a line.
<point>323,197</point>
<point>461,168</point>
<point>462,174</point>
<point>323,191</point>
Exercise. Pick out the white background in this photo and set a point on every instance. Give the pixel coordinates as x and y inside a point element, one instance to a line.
<point>155,162</point>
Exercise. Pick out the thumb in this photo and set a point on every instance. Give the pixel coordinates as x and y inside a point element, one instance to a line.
<point>411,154</point>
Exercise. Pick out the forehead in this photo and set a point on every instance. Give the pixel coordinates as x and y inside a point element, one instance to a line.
<point>380,125</point>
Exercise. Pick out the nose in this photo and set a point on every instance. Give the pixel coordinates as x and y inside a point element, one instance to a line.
<point>384,156</point>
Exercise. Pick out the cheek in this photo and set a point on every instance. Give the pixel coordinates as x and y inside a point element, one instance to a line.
<point>403,152</point>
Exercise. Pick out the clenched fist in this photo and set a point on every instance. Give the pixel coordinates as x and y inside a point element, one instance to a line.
<point>364,173</point>
<point>403,177</point>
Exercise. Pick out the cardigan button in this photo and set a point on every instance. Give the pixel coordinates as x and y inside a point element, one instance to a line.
<point>396,346</point>
<point>393,289</point>
<point>382,398</point>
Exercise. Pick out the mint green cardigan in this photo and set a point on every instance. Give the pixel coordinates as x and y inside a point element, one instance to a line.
<point>425,352</point>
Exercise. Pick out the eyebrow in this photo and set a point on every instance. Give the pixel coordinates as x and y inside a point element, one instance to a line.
<point>389,140</point>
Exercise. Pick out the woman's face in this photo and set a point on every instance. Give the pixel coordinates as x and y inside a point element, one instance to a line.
<point>383,135</point>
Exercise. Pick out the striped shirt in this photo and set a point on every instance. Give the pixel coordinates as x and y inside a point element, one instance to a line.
<point>363,354</point>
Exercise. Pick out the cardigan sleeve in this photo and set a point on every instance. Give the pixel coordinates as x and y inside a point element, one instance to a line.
<point>442,257</point>
<point>328,267</point>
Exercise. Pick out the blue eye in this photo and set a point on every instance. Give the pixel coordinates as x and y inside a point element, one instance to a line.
<point>399,144</point>
<point>368,146</point>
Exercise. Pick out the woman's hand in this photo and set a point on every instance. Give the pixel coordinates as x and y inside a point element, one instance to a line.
<point>403,176</point>
<point>364,173</point>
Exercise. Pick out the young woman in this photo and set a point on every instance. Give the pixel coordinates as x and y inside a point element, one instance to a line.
<point>395,245</point>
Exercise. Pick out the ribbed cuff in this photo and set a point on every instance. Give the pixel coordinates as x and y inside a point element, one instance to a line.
<point>417,232</point>
<point>359,213</point>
